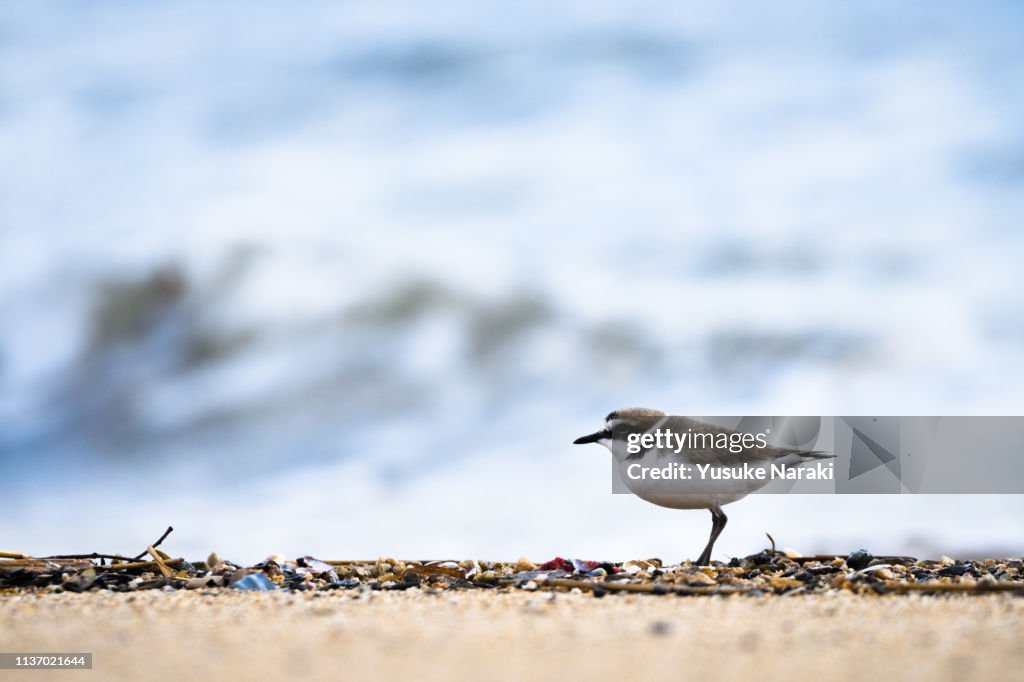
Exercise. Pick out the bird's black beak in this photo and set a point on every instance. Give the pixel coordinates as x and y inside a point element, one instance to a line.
<point>592,438</point>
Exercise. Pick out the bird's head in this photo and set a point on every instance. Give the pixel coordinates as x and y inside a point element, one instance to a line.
<point>628,419</point>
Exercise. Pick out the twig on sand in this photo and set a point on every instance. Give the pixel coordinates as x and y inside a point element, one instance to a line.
<point>155,544</point>
<point>135,565</point>
<point>96,555</point>
<point>91,555</point>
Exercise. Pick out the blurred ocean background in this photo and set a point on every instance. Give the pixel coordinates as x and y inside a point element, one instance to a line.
<point>346,279</point>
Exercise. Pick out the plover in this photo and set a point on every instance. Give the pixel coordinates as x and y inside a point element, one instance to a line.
<point>711,481</point>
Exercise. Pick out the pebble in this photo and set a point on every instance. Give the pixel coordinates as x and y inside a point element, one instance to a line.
<point>700,579</point>
<point>859,559</point>
<point>661,628</point>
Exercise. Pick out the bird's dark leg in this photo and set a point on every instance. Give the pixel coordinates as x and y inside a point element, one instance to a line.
<point>718,521</point>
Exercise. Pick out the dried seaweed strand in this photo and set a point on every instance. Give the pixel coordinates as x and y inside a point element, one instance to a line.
<point>165,570</point>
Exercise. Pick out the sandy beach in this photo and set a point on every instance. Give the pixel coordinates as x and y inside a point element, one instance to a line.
<point>416,634</point>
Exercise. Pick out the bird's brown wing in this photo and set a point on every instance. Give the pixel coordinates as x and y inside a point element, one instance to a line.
<point>723,456</point>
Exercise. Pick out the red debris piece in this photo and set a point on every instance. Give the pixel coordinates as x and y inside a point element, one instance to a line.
<point>575,565</point>
<point>557,564</point>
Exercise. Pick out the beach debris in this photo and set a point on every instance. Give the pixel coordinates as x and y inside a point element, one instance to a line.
<point>200,582</point>
<point>445,570</point>
<point>316,568</point>
<point>256,581</point>
<point>859,559</point>
<point>768,572</point>
<point>558,564</point>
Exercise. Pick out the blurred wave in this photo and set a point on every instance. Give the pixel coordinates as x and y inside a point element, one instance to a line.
<point>268,239</point>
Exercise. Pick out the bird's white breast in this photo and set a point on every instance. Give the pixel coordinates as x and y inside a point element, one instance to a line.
<point>677,493</point>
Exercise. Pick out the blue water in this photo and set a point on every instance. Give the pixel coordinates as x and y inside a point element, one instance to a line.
<point>348,278</point>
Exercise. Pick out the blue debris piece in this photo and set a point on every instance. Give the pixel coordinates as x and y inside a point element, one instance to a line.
<point>254,581</point>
